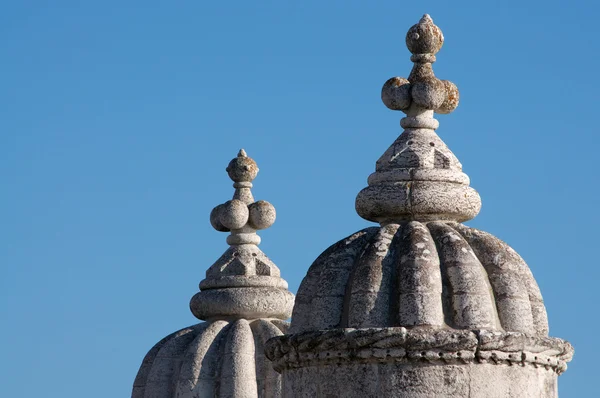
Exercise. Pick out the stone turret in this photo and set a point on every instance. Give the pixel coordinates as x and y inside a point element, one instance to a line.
<point>421,305</point>
<point>244,302</point>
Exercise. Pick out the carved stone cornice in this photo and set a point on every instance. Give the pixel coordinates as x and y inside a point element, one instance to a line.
<point>434,346</point>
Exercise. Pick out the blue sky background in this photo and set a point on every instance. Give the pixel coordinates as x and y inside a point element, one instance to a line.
<point>117,120</point>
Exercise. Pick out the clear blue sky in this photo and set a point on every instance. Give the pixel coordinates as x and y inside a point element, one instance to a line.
<point>117,120</point>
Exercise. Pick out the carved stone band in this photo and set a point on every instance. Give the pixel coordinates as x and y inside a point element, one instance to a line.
<point>427,345</point>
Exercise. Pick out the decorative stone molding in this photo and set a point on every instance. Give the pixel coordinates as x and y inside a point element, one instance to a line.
<point>435,346</point>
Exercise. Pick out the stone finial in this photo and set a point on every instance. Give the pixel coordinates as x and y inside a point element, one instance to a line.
<point>241,215</point>
<point>422,91</point>
<point>244,282</point>
<point>418,177</point>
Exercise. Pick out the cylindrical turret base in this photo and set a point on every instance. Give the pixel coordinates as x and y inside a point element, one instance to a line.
<point>418,363</point>
<point>415,380</point>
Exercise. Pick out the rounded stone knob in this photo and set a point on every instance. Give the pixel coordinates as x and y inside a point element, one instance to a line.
<point>234,214</point>
<point>262,214</point>
<point>424,37</point>
<point>242,168</point>
<point>215,219</point>
<point>395,93</point>
<point>452,98</point>
<point>428,94</point>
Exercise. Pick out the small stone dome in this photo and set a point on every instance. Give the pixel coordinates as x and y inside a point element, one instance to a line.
<point>212,359</point>
<point>411,274</point>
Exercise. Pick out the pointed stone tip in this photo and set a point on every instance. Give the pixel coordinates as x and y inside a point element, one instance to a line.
<point>426,18</point>
<point>242,153</point>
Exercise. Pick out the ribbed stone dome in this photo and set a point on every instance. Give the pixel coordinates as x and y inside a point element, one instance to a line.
<point>440,274</point>
<point>212,359</point>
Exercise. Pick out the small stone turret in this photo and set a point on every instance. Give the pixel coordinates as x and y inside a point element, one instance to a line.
<point>421,305</point>
<point>244,301</point>
<point>243,283</point>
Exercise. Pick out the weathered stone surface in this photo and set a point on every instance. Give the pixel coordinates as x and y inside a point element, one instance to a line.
<point>435,346</point>
<point>418,200</point>
<point>512,281</point>
<point>422,362</point>
<point>212,359</point>
<point>420,274</point>
<point>395,93</point>
<point>262,214</point>
<point>398,380</point>
<point>242,302</point>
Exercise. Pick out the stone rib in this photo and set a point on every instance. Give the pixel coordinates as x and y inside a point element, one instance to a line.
<point>238,372</point>
<point>469,288</point>
<point>419,278</point>
<point>268,380</point>
<point>317,308</point>
<point>139,385</point>
<point>370,283</point>
<point>199,371</point>
<point>167,364</point>
<point>507,279</point>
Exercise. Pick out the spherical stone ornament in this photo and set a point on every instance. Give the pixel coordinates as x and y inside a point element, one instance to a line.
<point>262,214</point>
<point>424,37</point>
<point>215,219</point>
<point>395,93</point>
<point>234,214</point>
<point>428,94</point>
<point>452,98</point>
<point>242,168</point>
